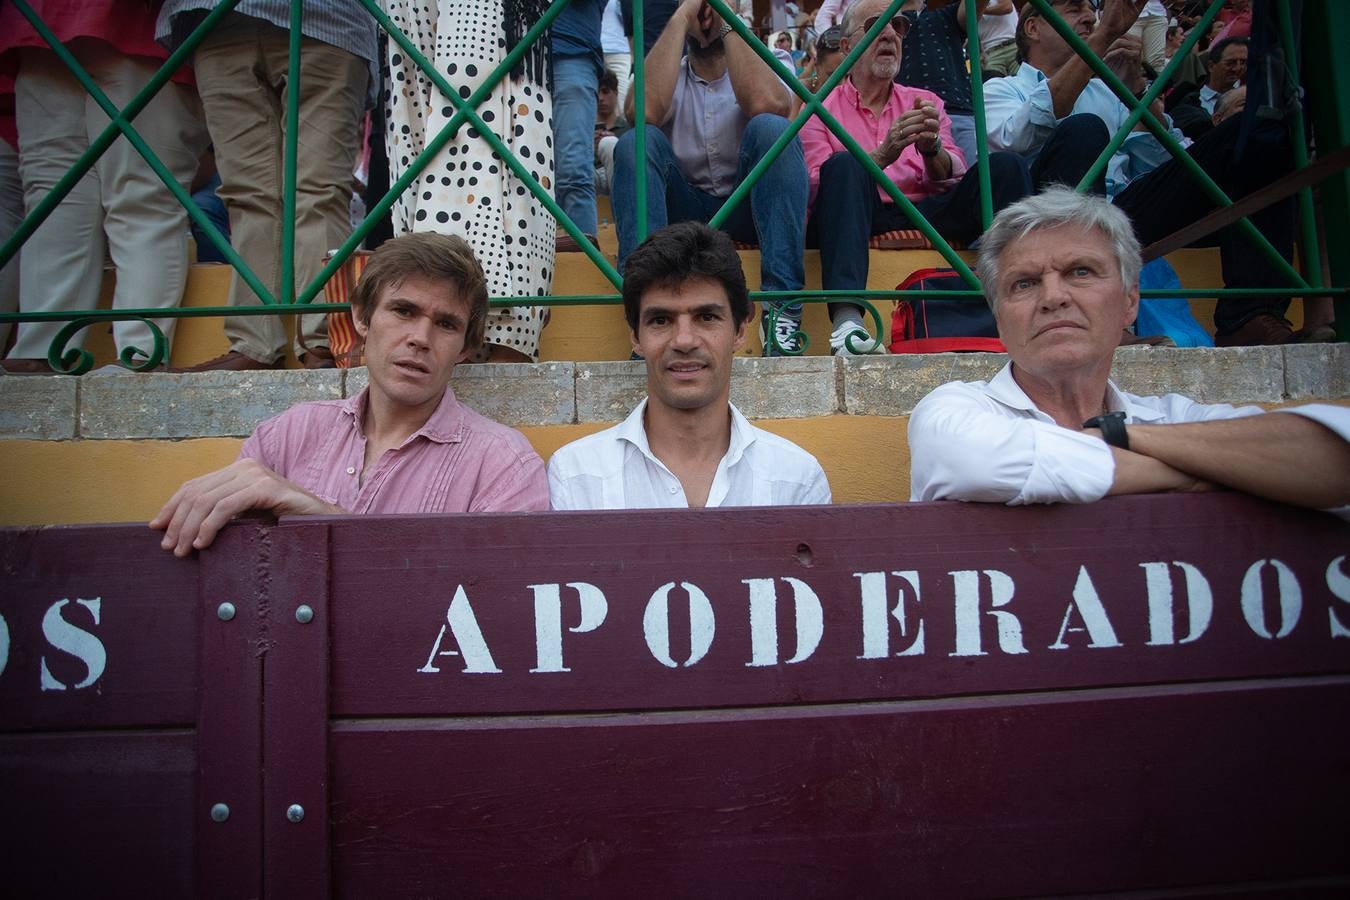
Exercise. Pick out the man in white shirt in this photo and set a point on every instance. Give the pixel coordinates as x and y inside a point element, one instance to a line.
<point>1054,92</point>
<point>686,445</point>
<point>1061,272</point>
<point>714,109</point>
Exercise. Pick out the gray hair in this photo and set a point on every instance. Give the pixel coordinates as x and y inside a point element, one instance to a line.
<point>1051,208</point>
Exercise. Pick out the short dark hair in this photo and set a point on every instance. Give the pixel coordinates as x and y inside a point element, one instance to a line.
<point>435,257</point>
<point>609,81</point>
<point>679,253</point>
<point>1216,51</point>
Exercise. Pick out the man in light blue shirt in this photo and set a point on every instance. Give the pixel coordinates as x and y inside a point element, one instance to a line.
<point>1054,101</point>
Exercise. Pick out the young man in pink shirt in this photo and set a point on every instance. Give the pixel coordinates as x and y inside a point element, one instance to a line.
<point>405,444</point>
<point>908,134</point>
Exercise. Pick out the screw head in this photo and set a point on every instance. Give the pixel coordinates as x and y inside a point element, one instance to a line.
<point>295,812</point>
<point>220,812</point>
<point>304,614</point>
<point>225,612</point>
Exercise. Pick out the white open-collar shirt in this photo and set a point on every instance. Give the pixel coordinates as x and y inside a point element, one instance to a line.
<point>616,469</point>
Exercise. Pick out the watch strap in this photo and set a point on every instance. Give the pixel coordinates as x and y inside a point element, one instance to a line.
<point>1112,426</point>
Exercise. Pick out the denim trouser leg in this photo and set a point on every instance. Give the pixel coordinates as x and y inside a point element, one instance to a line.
<point>669,196</point>
<point>777,204</point>
<point>574,89</point>
<point>963,133</point>
<point>842,219</point>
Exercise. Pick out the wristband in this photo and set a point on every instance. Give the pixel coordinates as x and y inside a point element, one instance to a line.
<point>1113,429</point>
<point>726,30</point>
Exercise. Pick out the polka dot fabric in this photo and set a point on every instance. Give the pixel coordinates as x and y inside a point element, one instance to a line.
<point>467,190</point>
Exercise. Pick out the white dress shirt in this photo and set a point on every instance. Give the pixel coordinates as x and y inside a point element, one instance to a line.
<point>986,441</point>
<point>1020,115</point>
<point>1209,98</point>
<point>615,469</point>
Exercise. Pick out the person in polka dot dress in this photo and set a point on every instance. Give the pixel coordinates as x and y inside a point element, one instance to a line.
<point>467,190</point>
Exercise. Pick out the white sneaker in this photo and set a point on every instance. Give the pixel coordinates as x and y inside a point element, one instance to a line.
<point>851,339</point>
<point>786,338</point>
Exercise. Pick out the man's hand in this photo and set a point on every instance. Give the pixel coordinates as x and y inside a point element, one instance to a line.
<point>202,506</point>
<point>1118,16</point>
<point>704,24</point>
<point>919,125</point>
<point>1123,59</point>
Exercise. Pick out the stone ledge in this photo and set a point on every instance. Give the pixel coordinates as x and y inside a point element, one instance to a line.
<point>231,404</point>
<point>203,404</point>
<point>38,408</point>
<point>511,393</point>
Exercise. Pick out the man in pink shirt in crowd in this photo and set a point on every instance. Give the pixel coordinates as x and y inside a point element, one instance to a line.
<point>405,444</point>
<point>908,134</point>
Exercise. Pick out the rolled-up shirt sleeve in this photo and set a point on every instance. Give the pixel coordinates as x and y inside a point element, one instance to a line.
<point>1017,123</point>
<point>962,447</point>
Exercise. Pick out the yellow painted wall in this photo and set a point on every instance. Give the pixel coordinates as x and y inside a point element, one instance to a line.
<point>69,482</point>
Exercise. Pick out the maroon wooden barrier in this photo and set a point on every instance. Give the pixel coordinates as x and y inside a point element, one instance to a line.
<point>1145,694</point>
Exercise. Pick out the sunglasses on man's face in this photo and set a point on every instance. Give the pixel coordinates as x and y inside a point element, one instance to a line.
<point>899,23</point>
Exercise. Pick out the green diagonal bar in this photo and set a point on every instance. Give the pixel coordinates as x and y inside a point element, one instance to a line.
<point>1178,153</point>
<point>1153,93</point>
<point>812,106</point>
<point>1312,259</point>
<point>977,104</point>
<point>121,122</point>
<point>289,150</point>
<point>464,114</point>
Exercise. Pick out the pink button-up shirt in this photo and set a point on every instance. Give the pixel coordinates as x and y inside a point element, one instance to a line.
<point>908,172</point>
<point>458,461</point>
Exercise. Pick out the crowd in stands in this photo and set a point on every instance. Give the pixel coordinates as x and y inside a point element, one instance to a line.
<point>714,109</point>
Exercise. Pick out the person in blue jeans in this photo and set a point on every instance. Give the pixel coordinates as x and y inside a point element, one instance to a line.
<point>577,63</point>
<point>714,108</point>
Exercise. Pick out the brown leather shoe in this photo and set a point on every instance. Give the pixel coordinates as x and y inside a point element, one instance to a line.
<point>317,358</point>
<point>234,361</point>
<point>1262,330</point>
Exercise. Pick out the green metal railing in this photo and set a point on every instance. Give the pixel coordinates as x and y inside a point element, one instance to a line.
<point>291,302</point>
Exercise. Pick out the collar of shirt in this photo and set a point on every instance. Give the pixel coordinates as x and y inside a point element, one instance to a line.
<point>633,430</point>
<point>445,426</point>
<point>1004,388</point>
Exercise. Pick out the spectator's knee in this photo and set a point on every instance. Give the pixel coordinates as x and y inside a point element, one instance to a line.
<point>1084,128</point>
<point>625,153</point>
<point>842,167</point>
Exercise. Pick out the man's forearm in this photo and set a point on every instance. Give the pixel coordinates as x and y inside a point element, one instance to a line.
<point>661,73</point>
<point>758,90</point>
<point>1278,456</point>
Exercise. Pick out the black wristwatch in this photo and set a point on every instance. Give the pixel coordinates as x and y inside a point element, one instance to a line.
<point>937,148</point>
<point>1112,425</point>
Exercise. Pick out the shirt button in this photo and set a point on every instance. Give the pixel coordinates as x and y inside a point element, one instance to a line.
<point>351,470</point>
<point>673,490</point>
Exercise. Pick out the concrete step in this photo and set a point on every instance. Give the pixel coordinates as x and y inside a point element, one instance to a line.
<point>598,332</point>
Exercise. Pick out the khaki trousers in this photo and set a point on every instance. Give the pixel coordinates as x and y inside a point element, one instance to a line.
<point>242,76</point>
<point>119,205</point>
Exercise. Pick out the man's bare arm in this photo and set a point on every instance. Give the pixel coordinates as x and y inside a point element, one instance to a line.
<point>1116,19</point>
<point>661,70</point>
<point>1279,456</point>
<point>201,507</point>
<point>758,90</point>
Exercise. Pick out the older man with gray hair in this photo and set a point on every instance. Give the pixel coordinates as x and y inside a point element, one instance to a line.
<point>1061,272</point>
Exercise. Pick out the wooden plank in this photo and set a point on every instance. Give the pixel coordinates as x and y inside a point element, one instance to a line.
<point>295,717</point>
<point>1104,791</point>
<point>237,570</point>
<point>1082,593</point>
<point>98,814</point>
<point>100,629</point>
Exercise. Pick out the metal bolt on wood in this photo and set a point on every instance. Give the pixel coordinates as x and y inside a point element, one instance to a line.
<point>225,612</point>
<point>295,812</point>
<point>220,812</point>
<point>304,614</point>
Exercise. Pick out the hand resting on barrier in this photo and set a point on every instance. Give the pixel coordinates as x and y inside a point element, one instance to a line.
<point>201,507</point>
